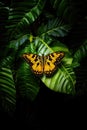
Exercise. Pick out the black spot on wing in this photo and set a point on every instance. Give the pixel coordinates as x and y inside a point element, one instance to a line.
<point>38,63</point>
<point>36,59</point>
<point>33,56</point>
<point>49,57</point>
<point>48,63</point>
<point>52,54</point>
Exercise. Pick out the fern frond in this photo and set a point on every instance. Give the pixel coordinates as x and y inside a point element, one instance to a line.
<point>63,81</point>
<point>80,54</point>
<point>26,82</point>
<point>54,28</point>
<point>7,88</point>
<point>20,20</point>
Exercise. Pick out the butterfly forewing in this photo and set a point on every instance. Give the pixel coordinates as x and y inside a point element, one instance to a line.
<point>35,62</point>
<point>30,58</point>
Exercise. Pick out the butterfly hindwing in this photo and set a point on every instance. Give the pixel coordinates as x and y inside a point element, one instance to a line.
<point>35,62</point>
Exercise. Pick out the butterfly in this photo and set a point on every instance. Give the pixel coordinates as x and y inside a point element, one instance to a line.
<point>43,64</point>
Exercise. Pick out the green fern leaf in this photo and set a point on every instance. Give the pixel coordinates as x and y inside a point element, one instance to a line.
<point>16,44</point>
<point>7,89</point>
<point>54,28</point>
<point>64,79</point>
<point>80,54</point>
<point>19,21</point>
<point>26,82</point>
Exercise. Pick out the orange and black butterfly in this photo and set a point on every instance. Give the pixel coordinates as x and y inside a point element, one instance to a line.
<point>43,64</point>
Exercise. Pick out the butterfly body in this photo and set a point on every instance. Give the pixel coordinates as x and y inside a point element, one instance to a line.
<point>43,64</point>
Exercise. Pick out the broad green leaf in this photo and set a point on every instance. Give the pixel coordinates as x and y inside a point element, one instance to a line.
<point>26,82</point>
<point>54,27</point>
<point>61,6</point>
<point>80,54</point>
<point>32,14</point>
<point>7,89</point>
<point>64,79</point>
<point>15,44</point>
<point>45,46</point>
<point>19,21</point>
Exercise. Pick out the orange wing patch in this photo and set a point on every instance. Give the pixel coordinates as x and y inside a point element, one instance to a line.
<point>44,64</point>
<point>51,62</point>
<point>35,62</point>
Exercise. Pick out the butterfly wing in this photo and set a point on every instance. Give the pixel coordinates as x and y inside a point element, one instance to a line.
<point>36,63</point>
<point>51,62</point>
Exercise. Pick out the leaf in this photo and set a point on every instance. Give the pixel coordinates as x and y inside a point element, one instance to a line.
<point>55,3</point>
<point>19,21</point>
<point>54,28</point>
<point>15,44</point>
<point>7,89</point>
<point>64,79</point>
<point>26,82</point>
<point>61,6</point>
<point>33,14</point>
<point>80,54</point>
<point>67,10</point>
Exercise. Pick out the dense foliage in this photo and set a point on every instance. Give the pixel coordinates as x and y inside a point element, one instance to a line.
<point>41,27</point>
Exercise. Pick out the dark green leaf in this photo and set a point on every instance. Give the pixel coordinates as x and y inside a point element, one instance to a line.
<point>63,81</point>
<point>80,54</point>
<point>7,89</point>
<point>20,21</point>
<point>54,28</point>
<point>26,82</point>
